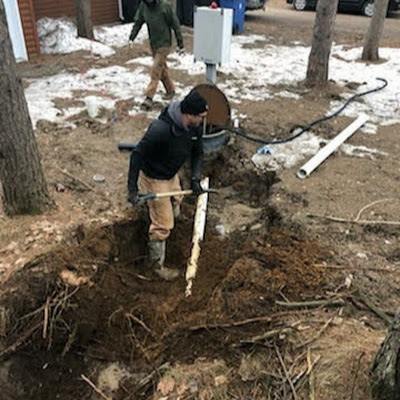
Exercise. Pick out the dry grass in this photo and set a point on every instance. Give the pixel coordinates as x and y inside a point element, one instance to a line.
<point>201,380</point>
<point>347,354</point>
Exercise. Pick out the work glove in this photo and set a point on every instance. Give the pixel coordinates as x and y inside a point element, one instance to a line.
<point>133,197</point>
<point>196,187</point>
<point>181,51</point>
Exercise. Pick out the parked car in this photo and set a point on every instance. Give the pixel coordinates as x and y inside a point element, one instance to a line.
<point>255,4</point>
<point>365,7</point>
<point>250,4</point>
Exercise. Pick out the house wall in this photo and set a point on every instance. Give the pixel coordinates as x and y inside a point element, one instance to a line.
<point>103,11</point>
<point>29,27</point>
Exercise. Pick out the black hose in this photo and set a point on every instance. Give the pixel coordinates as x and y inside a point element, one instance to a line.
<point>244,134</point>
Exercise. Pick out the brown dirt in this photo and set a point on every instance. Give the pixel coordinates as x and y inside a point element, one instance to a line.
<point>136,337</point>
<point>125,316</point>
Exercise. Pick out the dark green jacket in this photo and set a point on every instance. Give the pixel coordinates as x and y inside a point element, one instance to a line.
<point>160,19</point>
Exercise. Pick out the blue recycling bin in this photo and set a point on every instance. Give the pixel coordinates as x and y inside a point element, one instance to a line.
<point>239,8</point>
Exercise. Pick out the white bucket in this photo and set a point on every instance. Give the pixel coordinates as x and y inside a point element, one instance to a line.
<point>92,106</point>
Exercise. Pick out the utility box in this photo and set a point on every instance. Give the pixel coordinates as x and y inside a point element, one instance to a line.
<point>212,34</point>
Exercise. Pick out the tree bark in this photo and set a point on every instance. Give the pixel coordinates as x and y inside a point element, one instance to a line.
<point>84,19</point>
<point>318,62</point>
<point>21,175</point>
<point>385,379</point>
<point>375,29</point>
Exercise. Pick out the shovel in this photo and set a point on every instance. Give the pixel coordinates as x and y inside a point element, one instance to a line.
<point>152,196</point>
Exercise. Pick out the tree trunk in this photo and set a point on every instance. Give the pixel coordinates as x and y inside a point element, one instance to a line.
<point>318,62</point>
<point>375,29</point>
<point>84,19</point>
<point>385,380</point>
<point>23,183</point>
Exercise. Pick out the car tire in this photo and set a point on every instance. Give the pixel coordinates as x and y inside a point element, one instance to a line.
<point>300,5</point>
<point>368,8</point>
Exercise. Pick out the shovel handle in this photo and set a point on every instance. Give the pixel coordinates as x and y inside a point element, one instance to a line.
<point>152,196</point>
<point>126,146</point>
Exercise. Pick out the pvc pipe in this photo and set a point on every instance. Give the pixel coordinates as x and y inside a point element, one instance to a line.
<point>120,11</point>
<point>330,147</point>
<point>198,235</point>
<point>211,73</point>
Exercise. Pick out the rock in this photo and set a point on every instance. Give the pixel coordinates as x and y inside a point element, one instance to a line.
<point>99,178</point>
<point>362,256</point>
<point>220,229</point>
<point>348,281</point>
<point>256,227</point>
<point>72,279</point>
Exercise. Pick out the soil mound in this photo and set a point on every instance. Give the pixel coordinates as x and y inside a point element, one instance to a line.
<point>92,301</point>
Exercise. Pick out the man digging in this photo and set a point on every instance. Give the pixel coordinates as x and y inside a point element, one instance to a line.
<point>169,141</point>
<point>160,20</point>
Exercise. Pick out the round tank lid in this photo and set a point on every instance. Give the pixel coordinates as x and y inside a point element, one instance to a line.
<point>219,110</point>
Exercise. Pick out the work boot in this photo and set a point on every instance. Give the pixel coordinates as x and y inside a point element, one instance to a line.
<point>169,95</point>
<point>147,104</point>
<point>157,259</point>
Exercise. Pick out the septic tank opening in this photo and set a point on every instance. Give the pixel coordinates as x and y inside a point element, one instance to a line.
<point>218,117</point>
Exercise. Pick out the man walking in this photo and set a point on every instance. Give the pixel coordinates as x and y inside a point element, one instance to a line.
<point>160,20</point>
<point>169,141</point>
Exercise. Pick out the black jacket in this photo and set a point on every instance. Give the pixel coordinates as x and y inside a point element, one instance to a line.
<point>165,147</point>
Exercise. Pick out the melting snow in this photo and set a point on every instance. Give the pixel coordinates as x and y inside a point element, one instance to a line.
<point>251,74</point>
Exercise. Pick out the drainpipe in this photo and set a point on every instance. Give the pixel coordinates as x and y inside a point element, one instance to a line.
<point>329,148</point>
<point>121,14</point>
<point>15,30</point>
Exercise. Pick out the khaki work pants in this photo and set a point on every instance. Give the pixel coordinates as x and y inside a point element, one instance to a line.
<point>160,71</point>
<point>160,210</point>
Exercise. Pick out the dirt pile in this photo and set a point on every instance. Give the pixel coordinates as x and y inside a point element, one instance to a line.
<point>92,300</point>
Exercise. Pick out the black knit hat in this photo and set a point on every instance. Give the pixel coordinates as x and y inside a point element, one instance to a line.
<point>193,104</point>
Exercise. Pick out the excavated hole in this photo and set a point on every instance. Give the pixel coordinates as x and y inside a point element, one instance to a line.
<point>91,304</point>
<point>56,332</point>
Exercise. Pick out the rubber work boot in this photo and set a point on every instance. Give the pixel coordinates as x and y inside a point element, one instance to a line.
<point>157,259</point>
<point>147,104</point>
<point>169,96</point>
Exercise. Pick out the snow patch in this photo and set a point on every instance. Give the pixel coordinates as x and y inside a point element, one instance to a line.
<point>59,36</point>
<point>252,74</point>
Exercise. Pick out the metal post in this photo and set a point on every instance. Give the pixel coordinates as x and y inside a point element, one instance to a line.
<point>211,73</point>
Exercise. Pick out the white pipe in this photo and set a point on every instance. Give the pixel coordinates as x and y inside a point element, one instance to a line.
<point>330,147</point>
<point>121,14</point>
<point>15,30</point>
<point>198,235</point>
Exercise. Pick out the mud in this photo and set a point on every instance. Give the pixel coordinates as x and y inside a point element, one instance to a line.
<point>56,331</point>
